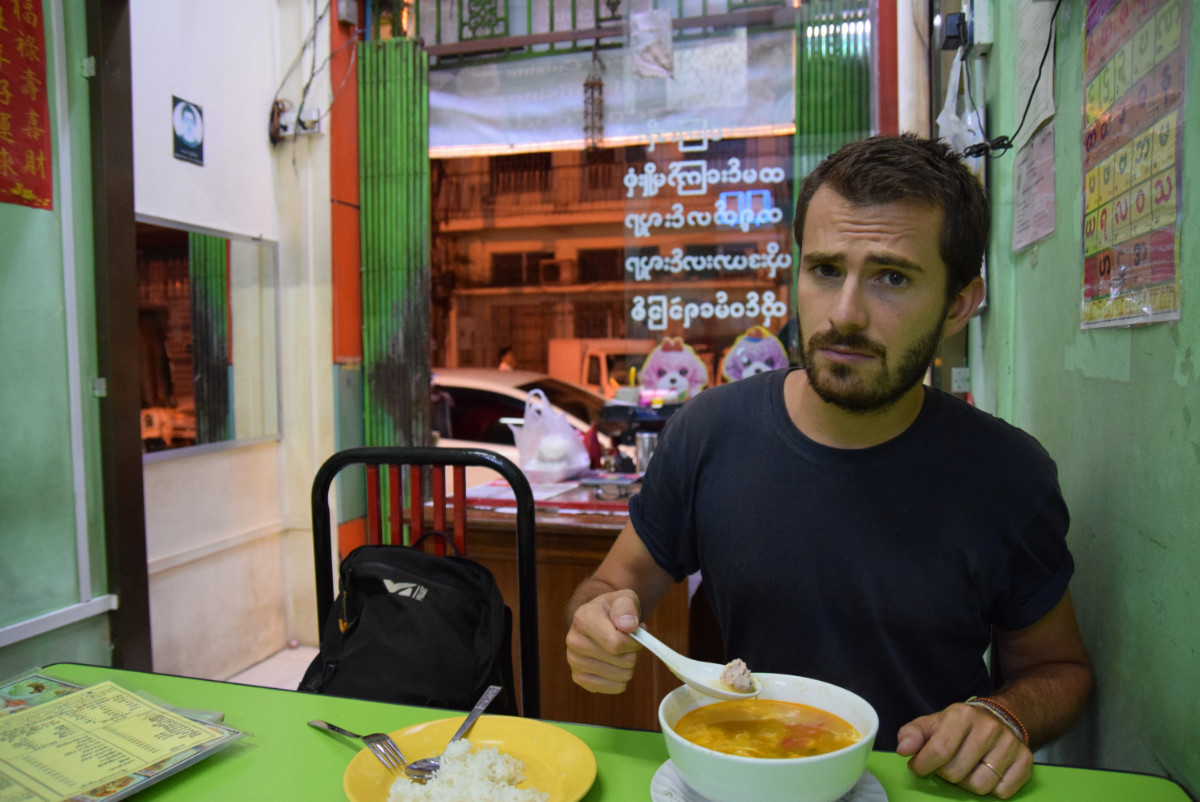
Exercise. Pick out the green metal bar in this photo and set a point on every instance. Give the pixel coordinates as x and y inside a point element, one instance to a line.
<point>798,96</point>
<point>370,324</point>
<point>367,107</point>
<point>369,207</point>
<point>208,272</point>
<point>376,435</point>
<point>845,77</point>
<point>418,249</point>
<point>845,73</point>
<point>833,79</point>
<point>424,223</point>
<point>395,217</point>
<point>398,187</point>
<point>855,56</point>
<point>390,259</point>
<point>820,88</point>
<point>400,293</point>
<point>837,83</point>
<point>370,291</point>
<point>385,252</point>
<point>391,411</point>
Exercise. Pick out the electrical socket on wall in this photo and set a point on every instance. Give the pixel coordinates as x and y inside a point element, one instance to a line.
<point>310,123</point>
<point>960,380</point>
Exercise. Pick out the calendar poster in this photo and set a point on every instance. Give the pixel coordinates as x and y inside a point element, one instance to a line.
<point>1135,59</point>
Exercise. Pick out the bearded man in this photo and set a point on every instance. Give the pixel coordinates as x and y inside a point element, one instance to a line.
<point>852,524</point>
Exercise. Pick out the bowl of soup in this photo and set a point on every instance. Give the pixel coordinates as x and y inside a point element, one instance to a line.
<point>800,740</point>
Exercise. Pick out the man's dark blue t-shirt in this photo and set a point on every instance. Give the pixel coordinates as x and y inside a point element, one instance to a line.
<point>882,569</point>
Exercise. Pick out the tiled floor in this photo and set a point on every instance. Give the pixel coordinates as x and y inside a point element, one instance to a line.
<point>281,670</point>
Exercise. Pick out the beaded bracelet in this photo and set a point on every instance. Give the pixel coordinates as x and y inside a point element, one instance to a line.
<point>1003,713</point>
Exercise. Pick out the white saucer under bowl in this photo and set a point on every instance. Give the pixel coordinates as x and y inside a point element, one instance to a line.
<point>668,786</point>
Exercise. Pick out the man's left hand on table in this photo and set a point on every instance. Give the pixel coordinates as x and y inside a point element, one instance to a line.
<point>968,747</point>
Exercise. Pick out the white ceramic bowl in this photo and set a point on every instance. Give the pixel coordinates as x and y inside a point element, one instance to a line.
<point>732,778</point>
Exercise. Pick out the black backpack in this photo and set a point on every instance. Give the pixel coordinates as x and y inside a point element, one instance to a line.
<point>415,628</point>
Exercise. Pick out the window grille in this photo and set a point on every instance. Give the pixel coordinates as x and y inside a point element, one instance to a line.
<point>520,172</point>
<point>599,264</point>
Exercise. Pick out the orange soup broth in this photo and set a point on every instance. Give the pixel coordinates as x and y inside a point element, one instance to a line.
<point>766,728</point>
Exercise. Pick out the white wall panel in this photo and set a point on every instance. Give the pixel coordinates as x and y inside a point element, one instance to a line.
<point>221,55</point>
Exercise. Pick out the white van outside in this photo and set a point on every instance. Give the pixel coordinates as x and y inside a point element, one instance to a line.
<point>601,364</point>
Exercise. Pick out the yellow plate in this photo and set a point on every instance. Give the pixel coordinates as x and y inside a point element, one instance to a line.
<point>556,761</point>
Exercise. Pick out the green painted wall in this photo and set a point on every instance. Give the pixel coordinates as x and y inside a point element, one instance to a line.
<point>1115,408</point>
<point>37,490</point>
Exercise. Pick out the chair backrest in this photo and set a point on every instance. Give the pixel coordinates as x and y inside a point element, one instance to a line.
<point>385,512</point>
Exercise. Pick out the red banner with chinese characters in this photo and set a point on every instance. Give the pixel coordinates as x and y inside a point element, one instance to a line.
<point>26,177</point>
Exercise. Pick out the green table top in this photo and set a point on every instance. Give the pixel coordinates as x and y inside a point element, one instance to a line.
<point>282,758</point>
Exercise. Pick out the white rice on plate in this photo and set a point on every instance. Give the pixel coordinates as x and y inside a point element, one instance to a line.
<point>483,775</point>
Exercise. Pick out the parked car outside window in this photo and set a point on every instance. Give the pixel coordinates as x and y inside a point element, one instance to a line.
<point>473,406</point>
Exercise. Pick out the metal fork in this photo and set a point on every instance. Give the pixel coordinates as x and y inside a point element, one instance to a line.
<point>380,744</point>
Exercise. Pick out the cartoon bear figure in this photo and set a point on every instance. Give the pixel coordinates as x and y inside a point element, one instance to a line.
<point>755,351</point>
<point>674,368</point>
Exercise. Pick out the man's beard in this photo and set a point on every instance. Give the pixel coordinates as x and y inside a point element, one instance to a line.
<point>843,386</point>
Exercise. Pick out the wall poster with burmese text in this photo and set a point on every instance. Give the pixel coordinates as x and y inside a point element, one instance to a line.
<point>1135,59</point>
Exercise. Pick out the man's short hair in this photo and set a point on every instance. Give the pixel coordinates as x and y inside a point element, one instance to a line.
<point>891,169</point>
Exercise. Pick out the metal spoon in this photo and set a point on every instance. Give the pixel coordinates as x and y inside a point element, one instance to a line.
<point>421,770</point>
<point>701,676</point>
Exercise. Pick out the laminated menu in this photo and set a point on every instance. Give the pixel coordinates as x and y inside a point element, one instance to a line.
<point>62,742</point>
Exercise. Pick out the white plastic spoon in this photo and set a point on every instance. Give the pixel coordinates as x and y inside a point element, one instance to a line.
<point>703,677</point>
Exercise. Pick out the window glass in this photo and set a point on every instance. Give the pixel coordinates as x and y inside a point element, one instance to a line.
<point>600,264</point>
<point>209,347</point>
<point>507,269</point>
<point>475,415</point>
<point>690,242</point>
<point>619,365</point>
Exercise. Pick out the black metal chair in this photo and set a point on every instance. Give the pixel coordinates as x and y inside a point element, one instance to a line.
<point>385,513</point>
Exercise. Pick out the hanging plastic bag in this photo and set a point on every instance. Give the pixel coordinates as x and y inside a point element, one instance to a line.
<point>550,448</point>
<point>652,44</point>
<point>959,131</point>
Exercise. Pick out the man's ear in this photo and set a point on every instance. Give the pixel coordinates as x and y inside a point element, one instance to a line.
<point>963,306</point>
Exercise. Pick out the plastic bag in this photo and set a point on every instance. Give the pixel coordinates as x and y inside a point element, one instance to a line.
<point>959,131</point>
<point>549,447</point>
<point>652,44</point>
